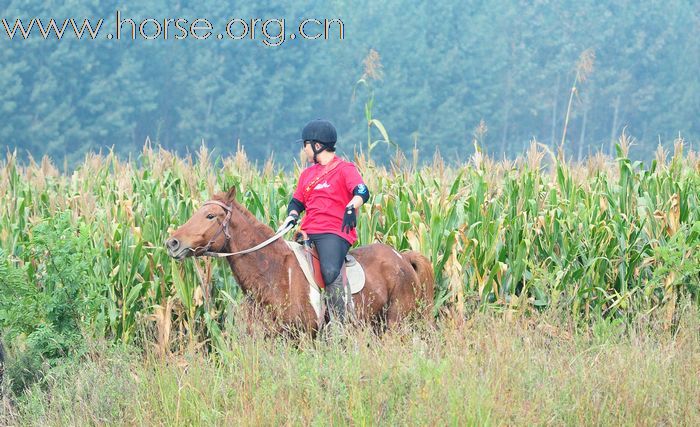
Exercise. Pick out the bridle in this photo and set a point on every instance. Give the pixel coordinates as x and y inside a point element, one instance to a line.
<point>205,250</point>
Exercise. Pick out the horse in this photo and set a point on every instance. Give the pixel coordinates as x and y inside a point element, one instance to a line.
<point>397,285</point>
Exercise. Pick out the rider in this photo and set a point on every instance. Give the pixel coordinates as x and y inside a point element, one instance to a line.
<point>330,190</point>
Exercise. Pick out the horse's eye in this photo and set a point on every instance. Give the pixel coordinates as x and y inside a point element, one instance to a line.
<point>211,216</point>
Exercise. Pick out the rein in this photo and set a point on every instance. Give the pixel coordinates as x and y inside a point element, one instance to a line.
<point>224,229</point>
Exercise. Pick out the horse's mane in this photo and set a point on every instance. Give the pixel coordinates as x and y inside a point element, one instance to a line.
<point>257,225</point>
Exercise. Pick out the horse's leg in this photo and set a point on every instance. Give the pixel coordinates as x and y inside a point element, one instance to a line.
<point>252,318</point>
<point>402,301</point>
<point>395,313</point>
<point>246,315</point>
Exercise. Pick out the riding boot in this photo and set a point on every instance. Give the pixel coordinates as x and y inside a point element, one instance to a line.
<point>336,301</point>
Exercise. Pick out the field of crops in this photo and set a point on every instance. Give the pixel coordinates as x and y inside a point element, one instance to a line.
<point>82,255</point>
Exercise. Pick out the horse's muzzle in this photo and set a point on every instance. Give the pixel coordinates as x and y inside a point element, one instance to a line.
<point>175,248</point>
<point>173,244</point>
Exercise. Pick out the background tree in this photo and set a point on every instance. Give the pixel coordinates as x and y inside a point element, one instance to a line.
<point>446,67</point>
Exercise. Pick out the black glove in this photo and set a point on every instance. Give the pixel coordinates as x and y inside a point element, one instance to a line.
<point>292,218</point>
<point>349,219</point>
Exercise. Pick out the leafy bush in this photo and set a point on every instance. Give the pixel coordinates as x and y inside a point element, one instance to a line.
<point>47,303</point>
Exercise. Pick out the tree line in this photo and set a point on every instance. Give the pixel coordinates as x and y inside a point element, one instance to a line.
<point>436,75</point>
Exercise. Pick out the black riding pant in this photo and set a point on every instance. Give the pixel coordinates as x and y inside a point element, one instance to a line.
<point>331,250</point>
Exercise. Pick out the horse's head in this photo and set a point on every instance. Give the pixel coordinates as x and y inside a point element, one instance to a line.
<point>207,230</point>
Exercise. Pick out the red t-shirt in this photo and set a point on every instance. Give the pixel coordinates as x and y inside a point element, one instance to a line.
<point>325,202</point>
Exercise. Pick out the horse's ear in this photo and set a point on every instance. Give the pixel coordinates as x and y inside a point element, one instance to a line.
<point>231,194</point>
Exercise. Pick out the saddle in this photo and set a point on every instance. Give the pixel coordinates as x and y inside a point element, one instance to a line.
<point>352,272</point>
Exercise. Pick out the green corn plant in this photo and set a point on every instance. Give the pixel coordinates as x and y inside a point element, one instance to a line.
<point>604,242</point>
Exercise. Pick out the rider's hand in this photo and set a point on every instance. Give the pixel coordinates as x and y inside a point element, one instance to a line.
<point>292,218</point>
<point>349,219</point>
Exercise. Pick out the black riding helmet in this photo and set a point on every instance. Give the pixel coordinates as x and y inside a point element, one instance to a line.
<point>321,131</point>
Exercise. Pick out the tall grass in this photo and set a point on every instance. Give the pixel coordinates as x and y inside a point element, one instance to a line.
<point>486,371</point>
<point>605,238</point>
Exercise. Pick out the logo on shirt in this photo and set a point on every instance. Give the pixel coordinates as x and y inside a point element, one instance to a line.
<point>361,189</point>
<point>322,186</point>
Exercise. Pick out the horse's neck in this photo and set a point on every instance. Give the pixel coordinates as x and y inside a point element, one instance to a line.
<point>261,271</point>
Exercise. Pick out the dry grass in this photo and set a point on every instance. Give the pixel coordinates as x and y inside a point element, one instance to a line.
<point>489,370</point>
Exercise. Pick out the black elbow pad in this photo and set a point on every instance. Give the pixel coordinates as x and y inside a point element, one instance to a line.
<point>295,205</point>
<point>362,191</point>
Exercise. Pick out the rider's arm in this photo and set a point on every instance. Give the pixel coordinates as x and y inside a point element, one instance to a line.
<point>356,185</point>
<point>295,207</point>
<point>360,194</point>
<point>296,204</point>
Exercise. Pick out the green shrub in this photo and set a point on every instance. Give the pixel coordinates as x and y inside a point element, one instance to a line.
<point>47,303</point>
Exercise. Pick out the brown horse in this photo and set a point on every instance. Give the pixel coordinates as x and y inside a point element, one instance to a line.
<point>397,284</point>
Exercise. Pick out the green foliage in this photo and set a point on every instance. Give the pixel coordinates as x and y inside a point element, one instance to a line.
<point>677,265</point>
<point>608,239</point>
<point>48,304</point>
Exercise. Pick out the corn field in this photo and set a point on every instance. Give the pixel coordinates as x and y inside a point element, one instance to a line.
<point>606,237</point>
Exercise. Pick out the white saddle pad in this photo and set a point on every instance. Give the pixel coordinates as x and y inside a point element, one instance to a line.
<point>356,274</point>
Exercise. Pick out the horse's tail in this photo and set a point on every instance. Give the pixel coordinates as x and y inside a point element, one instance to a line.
<point>426,277</point>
